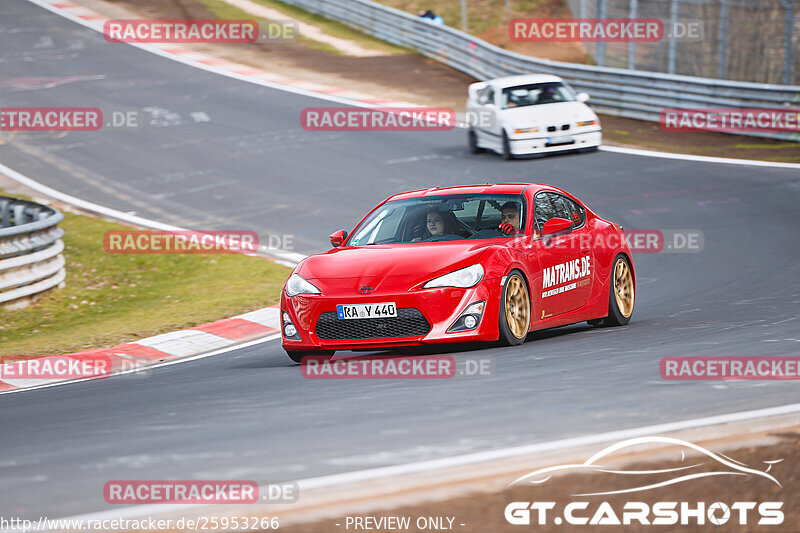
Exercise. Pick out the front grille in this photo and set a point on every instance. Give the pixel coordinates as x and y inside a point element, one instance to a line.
<point>408,323</point>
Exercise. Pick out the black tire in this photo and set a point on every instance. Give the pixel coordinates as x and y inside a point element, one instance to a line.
<point>297,356</point>
<point>472,138</point>
<point>616,316</point>
<point>514,281</point>
<point>507,155</point>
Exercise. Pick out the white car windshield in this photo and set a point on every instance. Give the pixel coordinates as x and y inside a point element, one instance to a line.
<point>442,218</point>
<point>536,93</point>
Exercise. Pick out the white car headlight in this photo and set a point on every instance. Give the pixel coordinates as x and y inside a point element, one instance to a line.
<point>532,129</point>
<point>463,279</point>
<point>297,285</point>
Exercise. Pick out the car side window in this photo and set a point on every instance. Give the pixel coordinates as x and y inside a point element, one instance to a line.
<point>543,210</point>
<point>486,96</point>
<point>568,209</point>
<point>576,212</point>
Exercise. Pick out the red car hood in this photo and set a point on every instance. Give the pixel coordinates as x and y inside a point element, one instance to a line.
<point>392,260</point>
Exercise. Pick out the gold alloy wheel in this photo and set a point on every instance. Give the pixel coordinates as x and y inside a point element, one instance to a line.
<point>518,306</point>
<point>623,287</point>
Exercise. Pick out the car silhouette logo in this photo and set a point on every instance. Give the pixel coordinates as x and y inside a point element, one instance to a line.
<point>366,289</point>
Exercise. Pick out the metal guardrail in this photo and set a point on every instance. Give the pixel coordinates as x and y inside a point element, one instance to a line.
<point>30,250</point>
<point>620,92</point>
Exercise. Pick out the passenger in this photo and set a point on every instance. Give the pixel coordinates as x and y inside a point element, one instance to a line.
<point>438,223</point>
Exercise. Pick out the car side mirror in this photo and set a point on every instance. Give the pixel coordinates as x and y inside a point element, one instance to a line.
<point>554,225</point>
<point>582,97</point>
<point>338,238</point>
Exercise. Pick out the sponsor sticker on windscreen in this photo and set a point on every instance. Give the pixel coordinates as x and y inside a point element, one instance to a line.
<point>381,310</point>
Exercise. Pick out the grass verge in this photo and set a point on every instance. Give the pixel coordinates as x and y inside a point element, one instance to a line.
<point>112,299</point>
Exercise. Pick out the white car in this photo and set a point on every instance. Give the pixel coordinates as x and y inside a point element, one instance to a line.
<point>530,114</point>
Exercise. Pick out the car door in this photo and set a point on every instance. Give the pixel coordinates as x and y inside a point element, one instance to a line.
<point>486,119</point>
<point>579,241</point>
<point>565,266</point>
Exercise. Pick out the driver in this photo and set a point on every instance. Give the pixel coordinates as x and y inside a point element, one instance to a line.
<point>509,218</point>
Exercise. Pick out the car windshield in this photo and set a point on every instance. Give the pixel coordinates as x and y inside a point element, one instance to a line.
<point>442,218</point>
<point>537,93</point>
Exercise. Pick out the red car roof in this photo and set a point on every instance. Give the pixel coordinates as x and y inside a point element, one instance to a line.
<point>486,188</point>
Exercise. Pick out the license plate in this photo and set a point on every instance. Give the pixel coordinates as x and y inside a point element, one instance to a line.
<point>553,141</point>
<point>382,310</point>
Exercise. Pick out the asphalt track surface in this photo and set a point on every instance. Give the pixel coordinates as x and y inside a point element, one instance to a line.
<point>249,414</point>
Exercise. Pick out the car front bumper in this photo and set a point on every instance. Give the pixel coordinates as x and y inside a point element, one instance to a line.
<point>440,308</point>
<point>552,142</point>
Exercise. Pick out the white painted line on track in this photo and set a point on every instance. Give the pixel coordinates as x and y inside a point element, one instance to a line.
<point>143,368</point>
<point>140,511</point>
<point>356,103</point>
<point>287,258</point>
<point>700,158</point>
<point>528,449</point>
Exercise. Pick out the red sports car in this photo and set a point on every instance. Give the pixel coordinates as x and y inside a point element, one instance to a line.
<point>459,264</point>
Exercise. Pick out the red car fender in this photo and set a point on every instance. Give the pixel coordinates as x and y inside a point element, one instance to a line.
<point>612,242</point>
<point>498,261</point>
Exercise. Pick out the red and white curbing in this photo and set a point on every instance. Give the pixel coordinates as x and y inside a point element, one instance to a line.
<point>165,347</point>
<point>186,53</point>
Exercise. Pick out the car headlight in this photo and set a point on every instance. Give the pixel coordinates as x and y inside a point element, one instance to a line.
<point>587,123</point>
<point>532,129</point>
<point>464,278</point>
<point>297,285</point>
